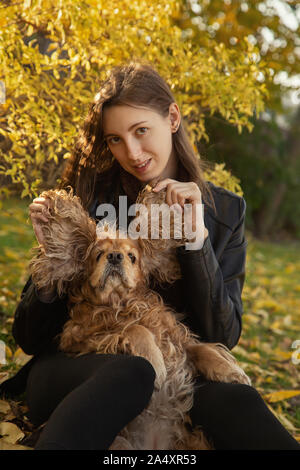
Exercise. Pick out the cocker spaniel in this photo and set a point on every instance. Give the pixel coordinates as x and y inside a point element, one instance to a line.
<point>112,310</point>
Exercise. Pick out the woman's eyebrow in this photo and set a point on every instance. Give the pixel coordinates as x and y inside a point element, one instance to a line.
<point>131,127</point>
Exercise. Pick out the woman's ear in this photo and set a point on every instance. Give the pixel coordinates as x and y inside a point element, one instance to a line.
<point>174,117</point>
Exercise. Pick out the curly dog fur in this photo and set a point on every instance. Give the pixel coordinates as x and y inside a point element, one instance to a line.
<point>112,310</point>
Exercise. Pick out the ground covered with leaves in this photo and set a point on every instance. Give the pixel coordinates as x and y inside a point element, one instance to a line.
<point>267,350</point>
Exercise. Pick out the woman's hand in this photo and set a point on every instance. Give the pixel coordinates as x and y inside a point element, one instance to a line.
<point>38,210</point>
<point>182,193</point>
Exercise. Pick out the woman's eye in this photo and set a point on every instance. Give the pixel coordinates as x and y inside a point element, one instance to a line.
<point>110,141</point>
<point>146,128</point>
<point>99,255</point>
<point>132,257</point>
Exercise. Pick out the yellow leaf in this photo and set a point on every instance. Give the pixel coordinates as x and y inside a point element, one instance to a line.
<point>6,445</point>
<point>282,355</point>
<point>10,432</point>
<point>290,268</point>
<point>11,254</point>
<point>284,421</point>
<point>8,352</point>
<point>24,193</point>
<point>3,376</point>
<point>239,350</point>
<point>269,380</point>
<point>281,395</point>
<point>276,327</point>
<point>4,406</point>
<point>20,357</point>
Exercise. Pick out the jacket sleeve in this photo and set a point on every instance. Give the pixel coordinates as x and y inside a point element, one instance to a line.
<point>213,287</point>
<point>37,322</point>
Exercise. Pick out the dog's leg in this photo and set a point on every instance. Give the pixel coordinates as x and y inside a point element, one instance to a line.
<point>215,362</point>
<point>139,341</point>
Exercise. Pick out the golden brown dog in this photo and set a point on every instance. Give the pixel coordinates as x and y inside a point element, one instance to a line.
<point>112,310</point>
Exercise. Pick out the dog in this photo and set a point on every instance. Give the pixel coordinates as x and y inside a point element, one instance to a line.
<point>113,311</point>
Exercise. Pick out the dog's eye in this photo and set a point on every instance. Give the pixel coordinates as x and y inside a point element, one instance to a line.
<point>132,257</point>
<point>99,255</point>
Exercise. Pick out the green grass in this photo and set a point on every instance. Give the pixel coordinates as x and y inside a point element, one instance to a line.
<point>16,239</point>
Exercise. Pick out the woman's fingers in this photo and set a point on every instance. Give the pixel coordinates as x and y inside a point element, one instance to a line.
<point>182,193</point>
<point>163,184</point>
<point>39,204</point>
<point>37,217</point>
<point>38,210</point>
<point>179,192</point>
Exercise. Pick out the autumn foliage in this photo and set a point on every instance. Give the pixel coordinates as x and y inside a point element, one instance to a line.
<point>54,53</point>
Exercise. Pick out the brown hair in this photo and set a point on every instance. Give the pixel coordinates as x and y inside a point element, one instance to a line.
<point>136,83</point>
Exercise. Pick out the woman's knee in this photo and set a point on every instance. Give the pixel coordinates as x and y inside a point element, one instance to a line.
<point>128,378</point>
<point>240,395</point>
<point>141,369</point>
<point>133,375</point>
<point>223,398</point>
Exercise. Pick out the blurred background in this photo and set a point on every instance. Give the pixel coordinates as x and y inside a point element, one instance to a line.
<point>234,69</point>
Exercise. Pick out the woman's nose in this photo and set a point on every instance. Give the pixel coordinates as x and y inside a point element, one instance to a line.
<point>134,149</point>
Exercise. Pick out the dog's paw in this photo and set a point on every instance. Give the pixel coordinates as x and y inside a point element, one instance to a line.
<point>215,362</point>
<point>234,374</point>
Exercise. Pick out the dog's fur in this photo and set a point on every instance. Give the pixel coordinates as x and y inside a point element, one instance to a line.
<point>112,310</point>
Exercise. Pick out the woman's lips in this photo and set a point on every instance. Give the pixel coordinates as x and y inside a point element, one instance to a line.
<point>142,169</point>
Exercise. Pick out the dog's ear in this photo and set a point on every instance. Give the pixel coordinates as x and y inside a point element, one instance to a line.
<point>164,232</point>
<point>69,237</point>
<point>162,267</point>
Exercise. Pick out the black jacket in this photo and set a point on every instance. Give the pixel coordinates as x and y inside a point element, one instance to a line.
<point>209,292</point>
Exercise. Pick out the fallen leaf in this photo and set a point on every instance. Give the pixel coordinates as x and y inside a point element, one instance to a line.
<point>10,432</point>
<point>4,406</point>
<point>8,352</point>
<point>3,376</point>
<point>6,445</point>
<point>20,357</point>
<point>11,254</point>
<point>284,421</point>
<point>282,355</point>
<point>281,395</point>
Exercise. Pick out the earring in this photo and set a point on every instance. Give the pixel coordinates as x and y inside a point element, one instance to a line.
<point>175,128</point>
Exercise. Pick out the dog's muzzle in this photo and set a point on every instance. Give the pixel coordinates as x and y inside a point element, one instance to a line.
<point>115,258</point>
<point>114,267</point>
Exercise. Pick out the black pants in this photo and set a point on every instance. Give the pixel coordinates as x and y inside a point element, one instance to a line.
<point>87,400</point>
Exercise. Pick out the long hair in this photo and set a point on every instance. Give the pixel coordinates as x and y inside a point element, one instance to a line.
<point>134,84</point>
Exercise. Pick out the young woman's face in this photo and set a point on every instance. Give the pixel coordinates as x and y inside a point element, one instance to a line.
<point>141,140</point>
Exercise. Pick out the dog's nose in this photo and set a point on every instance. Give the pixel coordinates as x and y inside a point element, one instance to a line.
<point>115,257</point>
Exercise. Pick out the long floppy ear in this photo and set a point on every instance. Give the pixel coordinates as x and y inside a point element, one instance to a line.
<point>69,237</point>
<point>165,232</point>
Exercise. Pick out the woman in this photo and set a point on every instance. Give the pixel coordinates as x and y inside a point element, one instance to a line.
<point>133,133</point>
